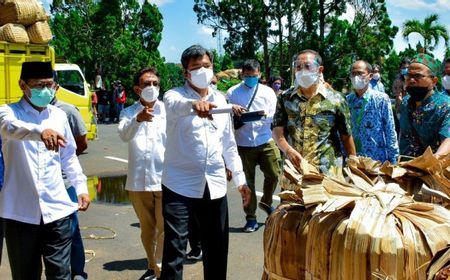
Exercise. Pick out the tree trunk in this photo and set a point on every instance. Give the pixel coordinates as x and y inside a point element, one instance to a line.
<point>280,39</point>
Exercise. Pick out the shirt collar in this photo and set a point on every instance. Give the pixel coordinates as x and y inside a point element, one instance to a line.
<point>28,108</point>
<point>321,89</point>
<point>365,95</point>
<point>191,91</point>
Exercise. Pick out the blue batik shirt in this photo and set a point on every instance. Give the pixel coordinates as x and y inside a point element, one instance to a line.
<point>373,127</point>
<point>426,125</point>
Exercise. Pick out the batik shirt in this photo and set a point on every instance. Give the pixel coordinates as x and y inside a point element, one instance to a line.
<point>373,127</point>
<point>313,126</point>
<point>426,125</point>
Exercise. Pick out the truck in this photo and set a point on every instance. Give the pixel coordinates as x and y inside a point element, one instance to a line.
<point>73,87</point>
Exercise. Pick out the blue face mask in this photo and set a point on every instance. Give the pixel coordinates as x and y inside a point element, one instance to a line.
<point>404,71</point>
<point>42,97</point>
<point>251,81</point>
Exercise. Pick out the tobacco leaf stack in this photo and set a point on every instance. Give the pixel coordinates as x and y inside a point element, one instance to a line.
<point>376,221</point>
<point>24,21</point>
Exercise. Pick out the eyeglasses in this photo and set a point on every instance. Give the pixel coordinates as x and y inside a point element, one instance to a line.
<point>308,66</point>
<point>358,73</point>
<point>150,83</point>
<point>417,76</point>
<point>42,85</point>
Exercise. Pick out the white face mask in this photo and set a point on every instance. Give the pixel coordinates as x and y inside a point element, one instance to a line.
<point>359,82</point>
<point>202,77</point>
<point>305,78</point>
<point>446,82</point>
<point>376,76</point>
<point>150,93</point>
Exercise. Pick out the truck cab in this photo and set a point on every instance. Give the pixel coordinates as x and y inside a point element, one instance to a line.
<point>74,89</point>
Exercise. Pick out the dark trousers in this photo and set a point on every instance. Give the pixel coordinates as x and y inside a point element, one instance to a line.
<point>212,217</point>
<point>27,243</point>
<point>267,156</point>
<point>194,235</point>
<point>2,234</point>
<point>77,258</point>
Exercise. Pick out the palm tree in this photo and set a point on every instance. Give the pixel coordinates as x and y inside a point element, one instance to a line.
<point>429,29</point>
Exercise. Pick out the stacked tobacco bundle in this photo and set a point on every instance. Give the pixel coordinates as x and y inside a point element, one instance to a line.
<point>23,21</point>
<point>366,225</point>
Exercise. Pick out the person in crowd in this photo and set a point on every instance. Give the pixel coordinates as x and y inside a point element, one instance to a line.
<point>37,144</point>
<point>425,113</point>
<point>143,127</point>
<point>120,98</point>
<point>398,86</point>
<point>103,104</point>
<point>373,127</point>
<point>376,83</point>
<point>113,102</point>
<point>446,76</point>
<point>276,83</point>
<point>94,103</point>
<point>254,139</point>
<point>79,133</point>
<point>314,117</point>
<point>199,146</point>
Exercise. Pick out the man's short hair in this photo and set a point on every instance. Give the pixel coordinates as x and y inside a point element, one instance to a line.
<point>194,52</point>
<point>142,72</point>
<point>405,61</point>
<point>274,78</point>
<point>250,65</point>
<point>376,66</point>
<point>317,56</point>
<point>369,67</point>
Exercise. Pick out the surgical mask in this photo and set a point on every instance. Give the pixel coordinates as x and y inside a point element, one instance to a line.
<point>150,93</point>
<point>404,71</point>
<point>305,78</point>
<point>417,93</point>
<point>376,76</point>
<point>446,82</point>
<point>276,87</point>
<point>359,82</point>
<point>251,81</point>
<point>41,97</point>
<point>202,77</point>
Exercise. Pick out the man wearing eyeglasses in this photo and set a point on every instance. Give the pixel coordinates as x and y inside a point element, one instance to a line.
<point>424,114</point>
<point>313,117</point>
<point>143,126</point>
<point>37,144</point>
<point>373,127</point>
<point>254,139</point>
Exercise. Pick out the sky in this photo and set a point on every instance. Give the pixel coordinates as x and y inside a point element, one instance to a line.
<point>181,29</point>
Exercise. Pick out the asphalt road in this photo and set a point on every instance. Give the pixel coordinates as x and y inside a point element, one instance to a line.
<point>123,257</point>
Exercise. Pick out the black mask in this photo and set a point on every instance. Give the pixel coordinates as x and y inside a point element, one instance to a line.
<point>417,93</point>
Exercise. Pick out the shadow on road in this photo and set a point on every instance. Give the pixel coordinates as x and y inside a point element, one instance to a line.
<point>139,264</point>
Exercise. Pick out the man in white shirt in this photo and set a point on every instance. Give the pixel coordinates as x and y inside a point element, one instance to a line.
<point>199,146</point>
<point>254,139</point>
<point>33,202</point>
<point>143,127</point>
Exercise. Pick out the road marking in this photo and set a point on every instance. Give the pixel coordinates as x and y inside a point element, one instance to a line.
<point>260,194</point>
<point>117,159</point>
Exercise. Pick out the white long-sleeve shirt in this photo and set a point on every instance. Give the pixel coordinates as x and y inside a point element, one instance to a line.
<point>34,186</point>
<point>146,142</point>
<point>253,134</point>
<point>198,148</point>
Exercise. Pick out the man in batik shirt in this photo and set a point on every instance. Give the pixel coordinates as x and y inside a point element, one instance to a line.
<point>373,127</point>
<point>424,114</point>
<point>313,117</point>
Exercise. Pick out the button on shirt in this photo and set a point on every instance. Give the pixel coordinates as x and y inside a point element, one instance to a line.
<point>33,186</point>
<point>198,148</point>
<point>256,133</point>
<point>426,125</point>
<point>146,142</point>
<point>373,127</point>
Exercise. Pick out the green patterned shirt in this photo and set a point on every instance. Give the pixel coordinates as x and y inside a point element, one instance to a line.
<point>313,126</point>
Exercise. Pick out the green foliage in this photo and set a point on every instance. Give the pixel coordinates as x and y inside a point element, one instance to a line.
<point>223,84</point>
<point>114,37</point>
<point>430,30</point>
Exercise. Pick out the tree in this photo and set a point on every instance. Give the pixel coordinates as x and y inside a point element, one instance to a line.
<point>117,37</point>
<point>430,30</point>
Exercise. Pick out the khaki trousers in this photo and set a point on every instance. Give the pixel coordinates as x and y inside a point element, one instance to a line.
<point>148,208</point>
